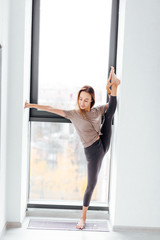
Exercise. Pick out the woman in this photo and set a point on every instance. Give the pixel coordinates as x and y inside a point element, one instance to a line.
<point>94,137</point>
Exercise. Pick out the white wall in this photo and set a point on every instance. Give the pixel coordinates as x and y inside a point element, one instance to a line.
<point>4,25</point>
<point>135,195</point>
<point>18,123</point>
<point>15,37</point>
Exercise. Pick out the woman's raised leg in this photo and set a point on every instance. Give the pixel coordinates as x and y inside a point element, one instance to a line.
<point>106,127</point>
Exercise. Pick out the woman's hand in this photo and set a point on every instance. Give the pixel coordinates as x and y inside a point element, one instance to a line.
<point>28,105</point>
<point>109,82</point>
<point>112,80</point>
<point>45,108</point>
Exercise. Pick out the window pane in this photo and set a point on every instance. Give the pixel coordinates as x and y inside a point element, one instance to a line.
<point>74,43</point>
<point>58,168</point>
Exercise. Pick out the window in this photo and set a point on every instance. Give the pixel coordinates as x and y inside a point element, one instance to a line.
<point>58,166</point>
<point>70,48</point>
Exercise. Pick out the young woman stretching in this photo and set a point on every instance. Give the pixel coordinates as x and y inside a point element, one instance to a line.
<point>94,136</point>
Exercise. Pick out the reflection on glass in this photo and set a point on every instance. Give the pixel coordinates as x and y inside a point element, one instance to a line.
<point>58,169</point>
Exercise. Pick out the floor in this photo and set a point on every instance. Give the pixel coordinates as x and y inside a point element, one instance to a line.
<point>28,234</point>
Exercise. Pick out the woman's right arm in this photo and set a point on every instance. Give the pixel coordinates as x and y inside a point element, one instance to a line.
<point>45,108</point>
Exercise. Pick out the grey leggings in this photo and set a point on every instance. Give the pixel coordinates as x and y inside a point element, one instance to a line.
<point>95,152</point>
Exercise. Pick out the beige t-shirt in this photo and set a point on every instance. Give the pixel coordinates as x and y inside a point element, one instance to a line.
<point>87,129</point>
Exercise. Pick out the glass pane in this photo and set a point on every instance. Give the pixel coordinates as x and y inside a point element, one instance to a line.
<point>58,169</point>
<point>74,43</point>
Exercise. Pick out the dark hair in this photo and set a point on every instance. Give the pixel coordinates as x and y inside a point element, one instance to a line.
<point>89,90</point>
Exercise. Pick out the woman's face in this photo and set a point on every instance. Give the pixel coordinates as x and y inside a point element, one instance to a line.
<point>85,100</point>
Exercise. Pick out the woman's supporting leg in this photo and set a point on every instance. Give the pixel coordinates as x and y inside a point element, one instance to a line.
<point>94,156</point>
<point>93,171</point>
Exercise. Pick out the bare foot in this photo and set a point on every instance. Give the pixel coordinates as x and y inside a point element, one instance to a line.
<point>115,80</point>
<point>109,84</point>
<point>81,224</point>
